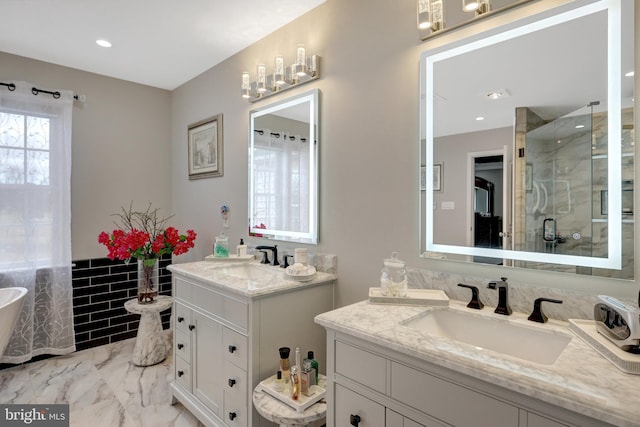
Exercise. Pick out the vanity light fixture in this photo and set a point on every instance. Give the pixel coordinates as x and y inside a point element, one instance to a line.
<point>303,70</point>
<point>630,74</point>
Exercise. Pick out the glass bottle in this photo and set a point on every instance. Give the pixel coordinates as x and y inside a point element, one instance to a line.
<point>285,366</point>
<point>393,281</point>
<point>221,247</point>
<point>295,377</point>
<point>314,363</point>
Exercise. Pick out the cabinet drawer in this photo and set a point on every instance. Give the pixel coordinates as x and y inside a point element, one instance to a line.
<point>235,312</point>
<point>449,402</point>
<point>182,317</point>
<point>183,373</point>
<point>235,382</point>
<point>235,411</point>
<point>183,345</point>
<point>534,420</point>
<point>234,348</point>
<point>349,403</point>
<point>182,290</point>
<point>361,366</point>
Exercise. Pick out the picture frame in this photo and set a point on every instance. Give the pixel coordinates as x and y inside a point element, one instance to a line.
<point>438,170</point>
<point>205,148</point>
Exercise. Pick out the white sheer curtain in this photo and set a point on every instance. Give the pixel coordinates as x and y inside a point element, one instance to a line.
<point>35,218</point>
<point>281,185</point>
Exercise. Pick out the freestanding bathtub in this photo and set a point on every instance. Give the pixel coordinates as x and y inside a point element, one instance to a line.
<point>11,300</point>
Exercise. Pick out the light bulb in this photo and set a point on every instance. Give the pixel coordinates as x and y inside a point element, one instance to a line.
<point>470,5</point>
<point>424,20</point>
<point>301,61</point>
<point>246,85</point>
<point>278,74</point>
<point>262,77</point>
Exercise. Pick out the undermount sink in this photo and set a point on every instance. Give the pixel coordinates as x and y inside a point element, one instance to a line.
<point>503,336</point>
<point>246,275</point>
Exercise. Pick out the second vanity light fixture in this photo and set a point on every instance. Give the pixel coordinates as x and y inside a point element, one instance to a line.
<point>283,77</point>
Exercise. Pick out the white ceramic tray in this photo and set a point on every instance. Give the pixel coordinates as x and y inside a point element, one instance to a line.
<point>303,402</point>
<point>301,276</point>
<point>231,257</point>
<point>428,297</point>
<point>623,360</point>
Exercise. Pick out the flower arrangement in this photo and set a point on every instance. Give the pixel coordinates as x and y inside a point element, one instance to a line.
<point>144,235</point>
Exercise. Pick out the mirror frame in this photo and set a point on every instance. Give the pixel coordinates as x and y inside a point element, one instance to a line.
<point>313,99</point>
<point>509,31</point>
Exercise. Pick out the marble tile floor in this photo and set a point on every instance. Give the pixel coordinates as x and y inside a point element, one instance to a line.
<point>102,387</point>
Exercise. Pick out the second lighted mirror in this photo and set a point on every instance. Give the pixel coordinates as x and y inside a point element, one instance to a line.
<point>529,143</point>
<point>283,170</point>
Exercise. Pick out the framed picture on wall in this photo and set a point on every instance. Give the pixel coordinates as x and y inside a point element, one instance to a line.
<point>438,169</point>
<point>205,148</point>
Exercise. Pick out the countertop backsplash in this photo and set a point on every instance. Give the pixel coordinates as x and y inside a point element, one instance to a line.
<point>521,296</point>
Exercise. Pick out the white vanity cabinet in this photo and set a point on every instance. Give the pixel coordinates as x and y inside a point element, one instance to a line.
<point>226,342</point>
<point>372,386</point>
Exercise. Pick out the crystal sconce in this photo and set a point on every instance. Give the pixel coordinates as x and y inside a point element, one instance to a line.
<point>303,70</point>
<point>431,15</point>
<point>478,6</point>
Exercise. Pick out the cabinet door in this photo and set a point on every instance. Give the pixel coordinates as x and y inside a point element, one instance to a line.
<point>352,409</point>
<point>207,362</point>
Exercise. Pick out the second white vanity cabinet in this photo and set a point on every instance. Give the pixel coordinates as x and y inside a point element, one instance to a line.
<point>381,373</point>
<point>226,340</point>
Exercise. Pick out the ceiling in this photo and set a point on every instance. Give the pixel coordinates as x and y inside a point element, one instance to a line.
<point>552,71</point>
<point>160,43</point>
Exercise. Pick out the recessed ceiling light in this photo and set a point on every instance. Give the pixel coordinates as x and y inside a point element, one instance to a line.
<point>630,74</point>
<point>103,43</point>
<point>579,126</point>
<point>497,94</point>
<point>479,118</point>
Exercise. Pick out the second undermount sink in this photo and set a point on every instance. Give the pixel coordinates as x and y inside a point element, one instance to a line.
<point>246,275</point>
<point>531,343</point>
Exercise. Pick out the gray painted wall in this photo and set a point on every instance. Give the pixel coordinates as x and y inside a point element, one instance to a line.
<point>130,143</point>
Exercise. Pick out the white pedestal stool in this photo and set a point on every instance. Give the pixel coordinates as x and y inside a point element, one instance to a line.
<point>151,344</point>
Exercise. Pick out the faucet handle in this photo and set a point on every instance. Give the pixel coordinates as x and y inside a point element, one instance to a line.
<point>537,315</point>
<point>285,262</point>
<point>475,302</point>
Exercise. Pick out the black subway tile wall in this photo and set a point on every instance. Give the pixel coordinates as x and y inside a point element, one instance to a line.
<point>100,289</point>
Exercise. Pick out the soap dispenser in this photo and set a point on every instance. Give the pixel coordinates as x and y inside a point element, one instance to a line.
<point>393,281</point>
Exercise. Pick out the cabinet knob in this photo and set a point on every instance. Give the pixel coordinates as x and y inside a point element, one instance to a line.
<point>180,319</point>
<point>354,420</point>
<point>232,349</point>
<point>232,415</point>
<point>180,346</point>
<point>180,373</point>
<point>232,382</point>
<point>192,327</point>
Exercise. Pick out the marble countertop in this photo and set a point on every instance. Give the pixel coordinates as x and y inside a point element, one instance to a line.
<point>581,380</point>
<point>250,279</point>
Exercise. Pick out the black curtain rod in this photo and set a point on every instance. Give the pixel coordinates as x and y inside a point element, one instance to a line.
<point>36,91</point>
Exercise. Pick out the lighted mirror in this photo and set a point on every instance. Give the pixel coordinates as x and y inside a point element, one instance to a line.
<point>283,170</point>
<point>531,129</point>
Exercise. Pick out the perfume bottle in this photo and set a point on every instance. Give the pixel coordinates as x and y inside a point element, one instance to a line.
<point>314,363</point>
<point>284,363</point>
<point>295,377</point>
<point>278,385</point>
